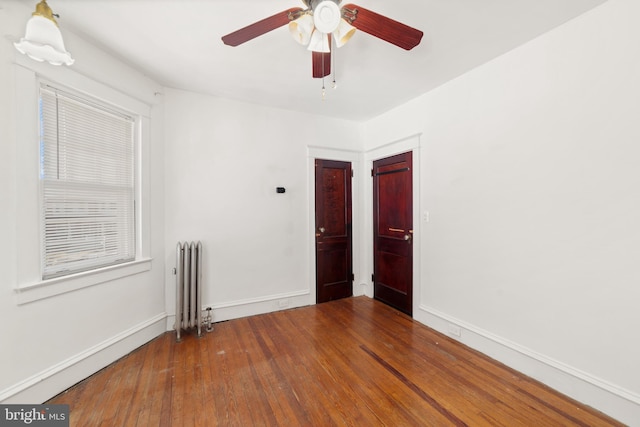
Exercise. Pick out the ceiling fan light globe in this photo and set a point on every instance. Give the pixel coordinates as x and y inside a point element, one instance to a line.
<point>301,29</point>
<point>344,32</point>
<point>43,42</point>
<point>327,16</point>
<point>319,42</point>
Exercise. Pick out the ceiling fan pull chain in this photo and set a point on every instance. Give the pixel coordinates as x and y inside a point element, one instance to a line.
<point>323,73</point>
<point>333,68</point>
<point>324,92</point>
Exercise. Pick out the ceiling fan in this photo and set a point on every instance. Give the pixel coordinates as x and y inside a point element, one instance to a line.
<point>314,25</point>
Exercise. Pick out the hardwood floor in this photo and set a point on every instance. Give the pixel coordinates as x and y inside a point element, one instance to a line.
<point>353,362</point>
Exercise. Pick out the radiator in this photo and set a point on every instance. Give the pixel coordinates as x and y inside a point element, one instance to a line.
<point>189,288</point>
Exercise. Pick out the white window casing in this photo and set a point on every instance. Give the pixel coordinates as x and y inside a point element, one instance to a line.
<point>32,280</point>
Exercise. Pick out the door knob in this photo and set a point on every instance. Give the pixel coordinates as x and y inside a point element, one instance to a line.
<point>321,229</point>
<point>407,237</point>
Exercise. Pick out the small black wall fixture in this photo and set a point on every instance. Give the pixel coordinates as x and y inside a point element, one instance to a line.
<point>280,190</point>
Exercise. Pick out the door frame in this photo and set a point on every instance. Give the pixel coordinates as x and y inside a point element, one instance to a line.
<point>410,143</point>
<point>355,158</point>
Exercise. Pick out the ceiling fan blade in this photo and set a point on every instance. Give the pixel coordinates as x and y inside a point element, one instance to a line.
<point>259,28</point>
<point>322,62</point>
<point>382,27</point>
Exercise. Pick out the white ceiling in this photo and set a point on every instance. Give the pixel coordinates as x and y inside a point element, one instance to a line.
<point>177,43</point>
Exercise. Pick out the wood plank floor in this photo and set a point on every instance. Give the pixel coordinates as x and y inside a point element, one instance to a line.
<point>352,362</point>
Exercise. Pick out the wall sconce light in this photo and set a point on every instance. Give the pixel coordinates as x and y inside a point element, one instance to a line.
<point>43,40</point>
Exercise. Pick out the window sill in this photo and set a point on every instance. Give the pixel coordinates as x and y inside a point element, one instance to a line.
<point>48,288</point>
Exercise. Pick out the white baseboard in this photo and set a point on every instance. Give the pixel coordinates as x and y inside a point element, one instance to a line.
<point>617,402</point>
<point>54,380</point>
<point>253,306</point>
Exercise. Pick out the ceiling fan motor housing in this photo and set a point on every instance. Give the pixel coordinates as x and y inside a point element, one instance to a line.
<point>326,15</point>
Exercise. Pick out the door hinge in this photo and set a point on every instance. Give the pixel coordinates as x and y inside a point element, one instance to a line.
<point>373,278</point>
<point>353,277</point>
<point>351,173</point>
<point>371,172</point>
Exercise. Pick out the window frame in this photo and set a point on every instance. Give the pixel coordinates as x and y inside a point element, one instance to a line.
<point>28,284</point>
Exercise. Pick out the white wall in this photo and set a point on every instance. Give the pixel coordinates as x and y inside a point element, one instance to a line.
<point>224,160</point>
<point>529,170</point>
<point>49,343</point>
<point>526,165</point>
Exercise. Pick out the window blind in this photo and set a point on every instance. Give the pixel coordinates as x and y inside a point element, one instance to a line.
<point>87,183</point>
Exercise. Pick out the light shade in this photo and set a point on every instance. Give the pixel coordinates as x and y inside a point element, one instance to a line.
<point>43,40</point>
<point>301,29</point>
<point>326,16</point>
<point>319,42</point>
<point>344,32</point>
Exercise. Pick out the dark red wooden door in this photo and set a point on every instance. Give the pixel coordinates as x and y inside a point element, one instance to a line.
<point>393,231</point>
<point>334,267</point>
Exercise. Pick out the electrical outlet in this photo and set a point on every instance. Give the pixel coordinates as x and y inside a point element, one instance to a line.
<point>283,303</point>
<point>454,330</point>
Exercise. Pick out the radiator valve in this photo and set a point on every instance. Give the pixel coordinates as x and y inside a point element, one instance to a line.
<point>209,320</point>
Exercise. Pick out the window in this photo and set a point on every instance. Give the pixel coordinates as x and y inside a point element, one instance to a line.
<point>87,174</point>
